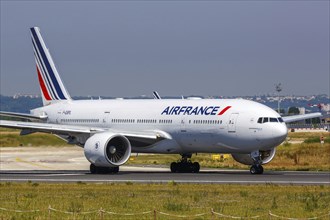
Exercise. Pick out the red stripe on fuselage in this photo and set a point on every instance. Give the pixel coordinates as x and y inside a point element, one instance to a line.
<point>43,87</point>
<point>224,110</point>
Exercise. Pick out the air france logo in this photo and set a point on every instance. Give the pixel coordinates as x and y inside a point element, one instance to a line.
<point>194,110</point>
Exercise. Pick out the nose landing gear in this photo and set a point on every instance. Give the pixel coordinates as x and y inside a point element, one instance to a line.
<point>185,165</point>
<point>256,168</point>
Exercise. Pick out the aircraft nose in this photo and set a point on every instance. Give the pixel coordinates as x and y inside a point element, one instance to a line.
<point>280,132</point>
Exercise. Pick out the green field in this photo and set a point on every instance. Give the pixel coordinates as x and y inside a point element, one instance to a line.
<point>173,201</point>
<point>11,138</point>
<point>172,198</point>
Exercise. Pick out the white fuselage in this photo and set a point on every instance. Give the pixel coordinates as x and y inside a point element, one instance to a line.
<point>207,125</point>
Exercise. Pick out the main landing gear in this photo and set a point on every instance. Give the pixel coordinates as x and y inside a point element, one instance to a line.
<point>185,165</point>
<point>256,168</point>
<point>103,170</point>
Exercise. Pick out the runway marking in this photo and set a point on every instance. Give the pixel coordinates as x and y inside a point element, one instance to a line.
<point>166,181</point>
<point>17,159</point>
<point>65,174</point>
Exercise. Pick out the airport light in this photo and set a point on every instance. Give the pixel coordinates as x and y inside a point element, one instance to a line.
<point>278,88</point>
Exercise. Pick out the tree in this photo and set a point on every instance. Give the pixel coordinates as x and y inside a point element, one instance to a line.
<point>293,111</point>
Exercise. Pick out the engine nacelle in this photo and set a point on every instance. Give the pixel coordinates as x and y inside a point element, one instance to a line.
<point>107,149</point>
<point>266,157</point>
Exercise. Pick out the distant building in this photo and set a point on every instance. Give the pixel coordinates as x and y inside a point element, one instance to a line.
<point>18,95</point>
<point>302,110</point>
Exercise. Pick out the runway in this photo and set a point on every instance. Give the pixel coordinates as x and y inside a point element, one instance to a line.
<point>163,175</point>
<point>69,165</point>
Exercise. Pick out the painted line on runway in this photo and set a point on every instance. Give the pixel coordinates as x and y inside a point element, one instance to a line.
<point>60,174</point>
<point>167,181</point>
<point>17,159</point>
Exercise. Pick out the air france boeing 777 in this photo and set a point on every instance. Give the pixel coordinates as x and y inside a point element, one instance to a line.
<point>110,130</point>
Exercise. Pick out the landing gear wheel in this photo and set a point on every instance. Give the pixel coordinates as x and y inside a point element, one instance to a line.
<point>185,165</point>
<point>93,169</point>
<point>196,167</point>
<point>102,170</point>
<point>174,167</point>
<point>256,169</point>
<point>114,170</point>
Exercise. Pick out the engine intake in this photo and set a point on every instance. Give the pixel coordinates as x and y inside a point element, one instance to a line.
<point>266,157</point>
<point>107,149</point>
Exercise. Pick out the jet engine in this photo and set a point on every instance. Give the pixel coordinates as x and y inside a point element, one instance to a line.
<point>266,157</point>
<point>107,149</point>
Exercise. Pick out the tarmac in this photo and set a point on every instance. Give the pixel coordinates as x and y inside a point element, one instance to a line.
<point>68,164</point>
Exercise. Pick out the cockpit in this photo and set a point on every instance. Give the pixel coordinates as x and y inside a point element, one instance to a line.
<point>262,120</point>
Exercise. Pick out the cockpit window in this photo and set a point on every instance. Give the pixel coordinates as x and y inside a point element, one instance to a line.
<point>262,120</point>
<point>273,120</point>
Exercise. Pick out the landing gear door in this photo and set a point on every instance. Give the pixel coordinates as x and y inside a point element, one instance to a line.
<point>232,122</point>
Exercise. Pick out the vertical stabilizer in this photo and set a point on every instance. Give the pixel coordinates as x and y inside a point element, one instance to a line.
<point>51,85</point>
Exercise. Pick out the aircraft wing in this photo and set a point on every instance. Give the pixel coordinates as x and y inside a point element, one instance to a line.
<point>143,138</point>
<point>23,116</point>
<point>47,127</point>
<point>293,118</point>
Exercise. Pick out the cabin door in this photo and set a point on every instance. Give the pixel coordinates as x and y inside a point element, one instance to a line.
<point>232,122</point>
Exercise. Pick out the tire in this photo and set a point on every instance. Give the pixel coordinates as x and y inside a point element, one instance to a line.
<point>174,167</point>
<point>253,170</point>
<point>93,169</point>
<point>114,169</point>
<point>256,169</point>
<point>196,167</point>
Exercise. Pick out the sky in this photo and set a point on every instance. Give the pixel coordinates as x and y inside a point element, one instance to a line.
<point>207,48</point>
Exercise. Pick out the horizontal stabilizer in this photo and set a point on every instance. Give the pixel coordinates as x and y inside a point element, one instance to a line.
<point>28,117</point>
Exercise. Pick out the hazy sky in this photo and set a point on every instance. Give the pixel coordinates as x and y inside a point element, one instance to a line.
<point>129,48</point>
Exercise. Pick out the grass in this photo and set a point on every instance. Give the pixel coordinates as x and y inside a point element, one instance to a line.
<point>11,138</point>
<point>174,199</point>
<point>312,136</point>
<point>304,135</point>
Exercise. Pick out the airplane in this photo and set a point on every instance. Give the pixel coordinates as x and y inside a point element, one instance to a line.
<point>110,130</point>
